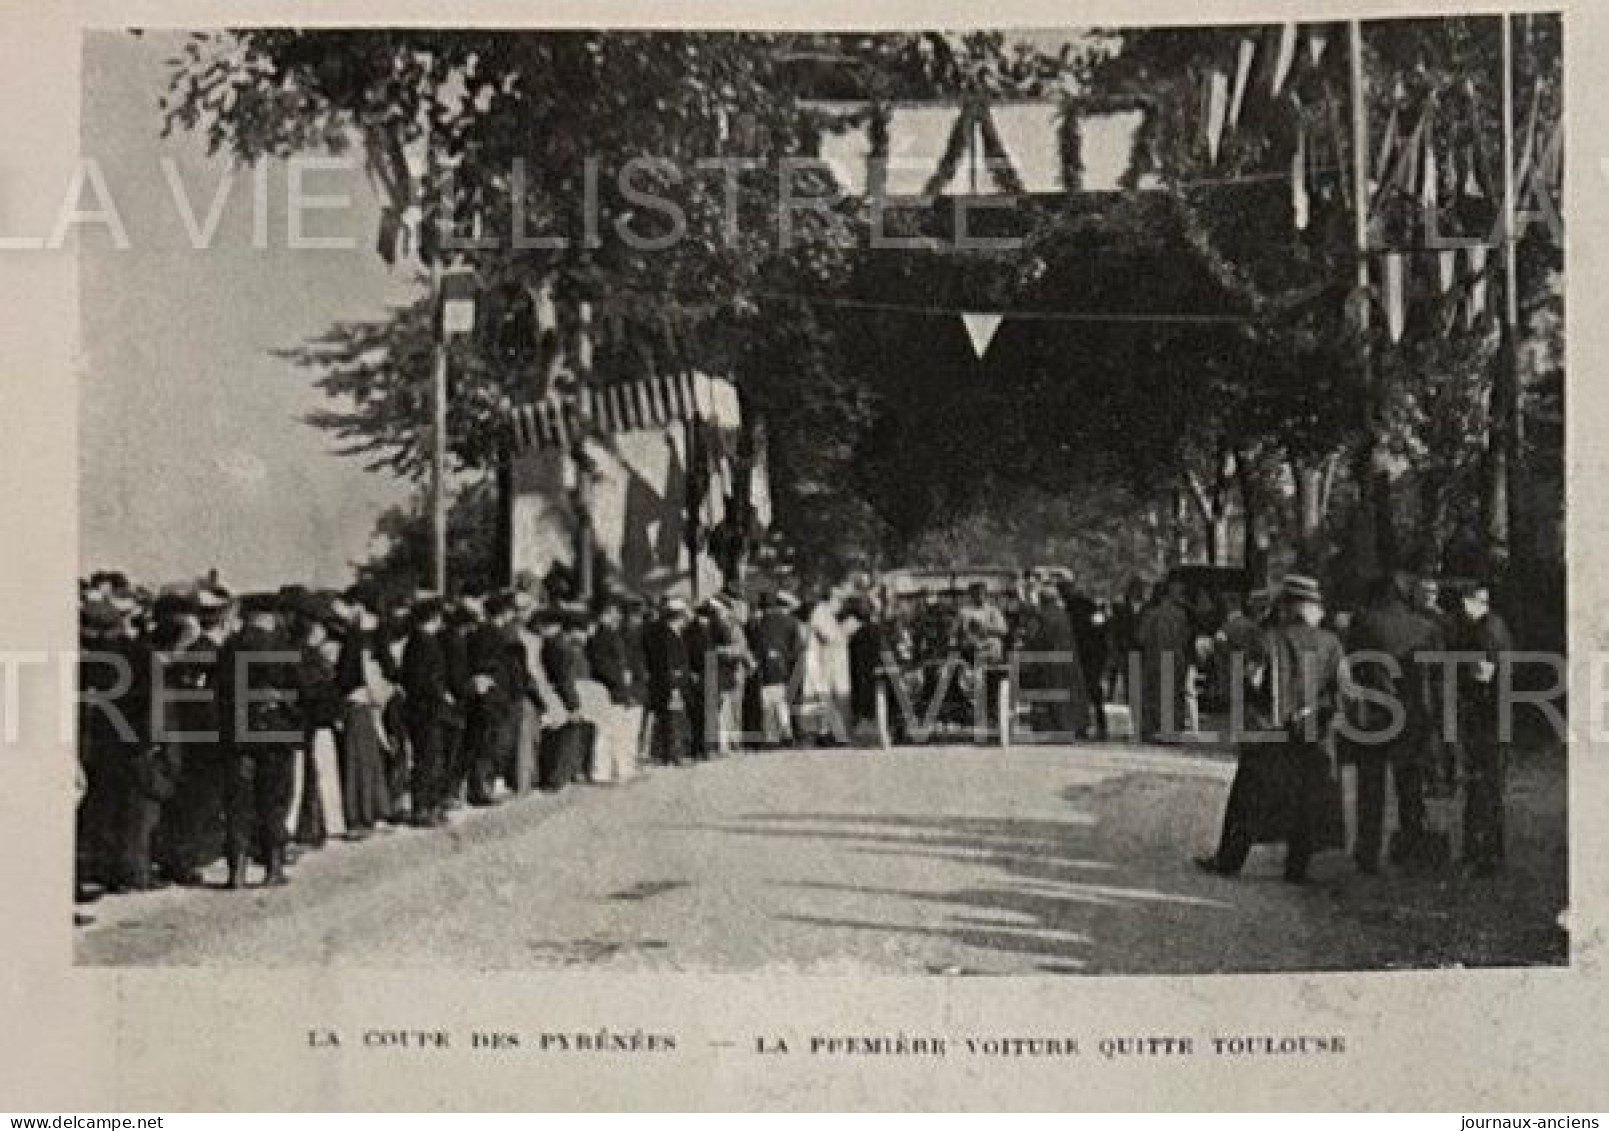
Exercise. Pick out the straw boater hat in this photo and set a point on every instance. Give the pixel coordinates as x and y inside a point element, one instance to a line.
<point>1296,587</point>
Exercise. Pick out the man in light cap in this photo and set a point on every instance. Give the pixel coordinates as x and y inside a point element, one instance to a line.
<point>779,645</point>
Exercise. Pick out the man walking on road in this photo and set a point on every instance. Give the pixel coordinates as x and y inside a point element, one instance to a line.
<point>1283,785</point>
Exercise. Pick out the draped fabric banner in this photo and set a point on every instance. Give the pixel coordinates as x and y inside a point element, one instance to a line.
<point>981,329</point>
<point>1477,290</point>
<point>657,402</point>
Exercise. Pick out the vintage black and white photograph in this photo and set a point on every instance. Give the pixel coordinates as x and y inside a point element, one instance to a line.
<point>933,502</point>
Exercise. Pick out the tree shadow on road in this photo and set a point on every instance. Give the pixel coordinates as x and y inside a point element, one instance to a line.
<point>1081,894</point>
<point>1117,894</point>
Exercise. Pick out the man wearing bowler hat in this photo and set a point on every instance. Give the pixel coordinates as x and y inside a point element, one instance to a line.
<point>1283,783</point>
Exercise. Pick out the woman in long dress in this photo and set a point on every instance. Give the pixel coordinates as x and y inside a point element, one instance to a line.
<point>365,690</point>
<point>827,683</point>
<point>319,813</point>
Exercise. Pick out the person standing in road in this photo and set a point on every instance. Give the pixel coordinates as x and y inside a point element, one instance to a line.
<point>665,655</point>
<point>1166,643</point>
<point>778,646</point>
<point>264,731</point>
<point>495,686</point>
<point>610,664</point>
<point>1483,725</point>
<point>1091,639</point>
<point>1387,647</point>
<point>429,707</point>
<point>1284,787</point>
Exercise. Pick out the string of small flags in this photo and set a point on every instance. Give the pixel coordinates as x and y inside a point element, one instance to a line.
<point>559,420</point>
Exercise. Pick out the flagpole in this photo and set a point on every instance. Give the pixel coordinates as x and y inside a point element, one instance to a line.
<point>1374,492</point>
<point>1509,436</point>
<point>438,434</point>
<point>1360,180</point>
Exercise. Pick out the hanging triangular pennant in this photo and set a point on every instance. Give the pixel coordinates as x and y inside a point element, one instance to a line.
<point>1318,39</point>
<point>1284,56</point>
<point>1429,172</point>
<point>1527,155</point>
<point>1248,53</point>
<point>1446,269</point>
<point>1338,147</point>
<point>981,328</point>
<point>760,478</point>
<point>1299,191</point>
<point>1552,160</point>
<point>1477,288</point>
<point>1215,111</point>
<point>1394,286</point>
<point>1387,151</point>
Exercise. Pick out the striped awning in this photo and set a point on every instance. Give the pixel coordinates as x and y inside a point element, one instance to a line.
<point>636,406</point>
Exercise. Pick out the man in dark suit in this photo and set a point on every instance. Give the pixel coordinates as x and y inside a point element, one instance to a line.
<point>1090,640</point>
<point>194,819</point>
<point>1388,646</point>
<point>778,647</point>
<point>429,707</point>
<point>1051,667</point>
<point>1283,789</point>
<point>496,685</point>
<point>667,659</point>
<point>263,727</point>
<point>462,618</point>
<point>125,771</point>
<point>1483,720</point>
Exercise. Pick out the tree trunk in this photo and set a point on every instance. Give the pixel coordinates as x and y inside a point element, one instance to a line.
<point>1309,514</point>
<point>504,566</point>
